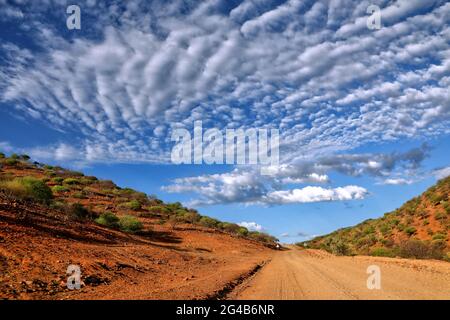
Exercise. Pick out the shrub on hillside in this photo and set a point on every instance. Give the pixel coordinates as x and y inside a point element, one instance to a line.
<point>71,181</point>
<point>419,250</point>
<point>242,231</point>
<point>208,222</point>
<point>191,217</point>
<point>132,205</point>
<point>134,195</point>
<point>446,256</point>
<point>58,205</point>
<point>78,212</point>
<point>108,219</point>
<point>130,224</point>
<point>11,162</point>
<point>440,215</point>
<point>159,210</point>
<point>79,195</point>
<point>174,206</point>
<point>174,220</point>
<point>2,155</point>
<point>261,236</point>
<point>28,188</point>
<point>340,248</point>
<point>75,173</point>
<point>58,180</point>
<point>59,189</point>
<point>382,252</point>
<point>106,185</point>
<point>410,231</point>
<point>439,236</point>
<point>230,227</point>
<point>446,206</point>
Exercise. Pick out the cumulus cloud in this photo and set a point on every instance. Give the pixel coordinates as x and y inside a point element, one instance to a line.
<point>315,194</point>
<point>277,186</point>
<point>247,187</point>
<point>252,226</point>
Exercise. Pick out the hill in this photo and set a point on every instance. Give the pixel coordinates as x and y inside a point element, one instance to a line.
<point>419,229</point>
<point>128,245</point>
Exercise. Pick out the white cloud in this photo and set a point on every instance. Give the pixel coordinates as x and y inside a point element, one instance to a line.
<point>316,194</point>
<point>247,185</point>
<point>397,181</point>
<point>155,65</point>
<point>252,226</point>
<point>442,173</point>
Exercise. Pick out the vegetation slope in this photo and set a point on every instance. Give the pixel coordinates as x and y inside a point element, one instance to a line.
<point>418,229</point>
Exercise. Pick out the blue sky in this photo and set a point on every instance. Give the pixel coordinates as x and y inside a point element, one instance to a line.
<point>363,114</point>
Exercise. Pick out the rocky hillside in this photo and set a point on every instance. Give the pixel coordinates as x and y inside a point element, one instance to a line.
<point>129,245</point>
<point>419,229</point>
<point>81,197</point>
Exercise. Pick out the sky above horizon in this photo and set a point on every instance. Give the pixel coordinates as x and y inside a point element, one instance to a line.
<point>363,114</point>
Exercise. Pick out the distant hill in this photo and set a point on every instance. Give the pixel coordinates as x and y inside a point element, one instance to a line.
<point>419,229</point>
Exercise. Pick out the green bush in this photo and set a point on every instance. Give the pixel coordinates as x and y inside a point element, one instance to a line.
<point>75,173</point>
<point>446,206</point>
<point>85,181</point>
<point>50,173</point>
<point>419,250</point>
<point>174,206</point>
<point>106,184</point>
<point>191,217</point>
<point>108,219</point>
<point>208,222</point>
<point>385,229</point>
<point>78,211</point>
<point>14,156</point>
<point>446,256</point>
<point>159,209</point>
<point>440,215</point>
<point>132,205</point>
<point>58,180</point>
<point>242,231</point>
<point>11,162</point>
<point>340,248</point>
<point>2,155</point>
<point>58,205</point>
<point>25,157</point>
<point>130,224</point>
<point>410,230</point>
<point>439,236</point>
<point>230,227</point>
<point>79,195</point>
<point>382,252</point>
<point>28,188</point>
<point>261,236</point>
<point>71,181</point>
<point>59,189</point>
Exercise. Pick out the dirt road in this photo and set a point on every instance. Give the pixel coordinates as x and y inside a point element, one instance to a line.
<point>313,274</point>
